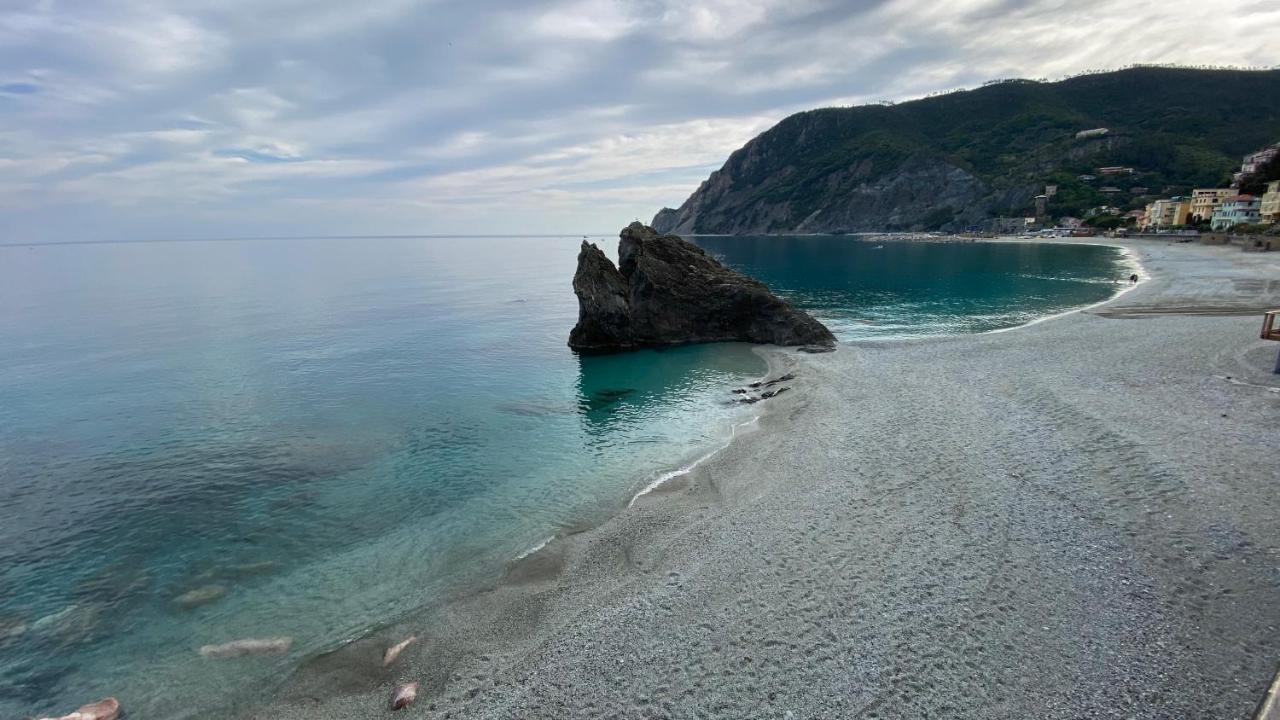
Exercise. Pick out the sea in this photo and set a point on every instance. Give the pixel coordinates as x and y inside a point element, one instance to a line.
<point>203,441</point>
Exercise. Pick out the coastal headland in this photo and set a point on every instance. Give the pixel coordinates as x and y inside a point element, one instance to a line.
<point>1076,518</point>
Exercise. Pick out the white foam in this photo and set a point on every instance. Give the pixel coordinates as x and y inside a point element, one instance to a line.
<point>1130,259</point>
<point>535,548</point>
<point>672,474</point>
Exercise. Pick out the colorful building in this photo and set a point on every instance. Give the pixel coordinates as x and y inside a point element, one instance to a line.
<point>1205,202</point>
<point>1238,210</point>
<point>1269,210</point>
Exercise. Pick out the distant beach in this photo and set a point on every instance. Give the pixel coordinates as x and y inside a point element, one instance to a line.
<point>1073,519</point>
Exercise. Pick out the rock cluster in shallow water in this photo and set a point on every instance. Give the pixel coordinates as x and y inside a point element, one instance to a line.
<point>668,291</point>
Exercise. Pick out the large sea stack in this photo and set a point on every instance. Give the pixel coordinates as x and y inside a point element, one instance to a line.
<point>667,291</point>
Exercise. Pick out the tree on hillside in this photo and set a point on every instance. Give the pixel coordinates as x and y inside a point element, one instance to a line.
<point>1106,222</point>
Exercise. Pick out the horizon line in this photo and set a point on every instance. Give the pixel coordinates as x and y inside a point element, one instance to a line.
<point>248,238</point>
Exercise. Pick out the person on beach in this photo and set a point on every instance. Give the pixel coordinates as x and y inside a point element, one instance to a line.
<point>1133,279</point>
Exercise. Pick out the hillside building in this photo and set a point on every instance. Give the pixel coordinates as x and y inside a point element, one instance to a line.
<point>1115,170</point>
<point>1238,210</point>
<point>1255,161</point>
<point>1095,132</point>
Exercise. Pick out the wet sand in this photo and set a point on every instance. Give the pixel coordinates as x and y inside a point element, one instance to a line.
<point>1078,518</point>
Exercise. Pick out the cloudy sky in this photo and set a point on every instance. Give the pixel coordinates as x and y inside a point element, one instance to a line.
<point>214,118</point>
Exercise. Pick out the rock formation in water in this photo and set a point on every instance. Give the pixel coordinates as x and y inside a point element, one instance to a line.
<point>667,291</point>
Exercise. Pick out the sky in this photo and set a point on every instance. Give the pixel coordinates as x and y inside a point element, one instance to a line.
<point>155,119</point>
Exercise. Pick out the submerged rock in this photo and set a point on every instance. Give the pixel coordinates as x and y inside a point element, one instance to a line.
<point>250,646</point>
<point>394,651</point>
<point>667,291</point>
<point>200,596</point>
<point>106,709</point>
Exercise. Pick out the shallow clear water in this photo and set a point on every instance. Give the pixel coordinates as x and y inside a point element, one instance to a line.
<point>867,290</point>
<point>327,434</point>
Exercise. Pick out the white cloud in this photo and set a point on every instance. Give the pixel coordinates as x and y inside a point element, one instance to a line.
<point>403,116</point>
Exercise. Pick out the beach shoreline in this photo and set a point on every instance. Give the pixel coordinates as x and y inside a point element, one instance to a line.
<point>574,629</point>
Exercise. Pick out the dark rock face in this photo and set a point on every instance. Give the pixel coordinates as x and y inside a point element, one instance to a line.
<point>847,200</point>
<point>667,291</point>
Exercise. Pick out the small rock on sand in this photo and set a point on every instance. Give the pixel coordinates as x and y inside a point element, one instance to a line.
<point>394,651</point>
<point>249,646</point>
<point>404,695</point>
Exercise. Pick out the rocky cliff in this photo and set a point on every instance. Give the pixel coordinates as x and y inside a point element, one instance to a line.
<point>912,195</point>
<point>954,161</point>
<point>667,291</point>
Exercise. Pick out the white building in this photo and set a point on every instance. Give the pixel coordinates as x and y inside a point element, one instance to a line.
<point>1095,132</point>
<point>1255,161</point>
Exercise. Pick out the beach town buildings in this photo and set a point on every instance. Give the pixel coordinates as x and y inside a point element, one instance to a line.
<point>1166,213</point>
<point>1269,208</point>
<point>1115,170</point>
<point>1205,202</point>
<point>1237,210</point>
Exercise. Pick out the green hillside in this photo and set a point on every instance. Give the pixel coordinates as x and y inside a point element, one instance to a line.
<point>1178,128</point>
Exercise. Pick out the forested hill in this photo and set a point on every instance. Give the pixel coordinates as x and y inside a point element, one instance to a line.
<point>952,161</point>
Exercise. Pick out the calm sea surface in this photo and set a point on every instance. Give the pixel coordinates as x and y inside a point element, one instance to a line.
<point>207,441</point>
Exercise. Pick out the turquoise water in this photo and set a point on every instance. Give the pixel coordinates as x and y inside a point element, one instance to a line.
<point>882,291</point>
<point>322,435</point>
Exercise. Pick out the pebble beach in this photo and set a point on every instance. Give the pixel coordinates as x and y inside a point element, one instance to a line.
<point>1076,518</point>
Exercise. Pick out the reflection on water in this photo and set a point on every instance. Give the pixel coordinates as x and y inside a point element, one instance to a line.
<point>619,390</point>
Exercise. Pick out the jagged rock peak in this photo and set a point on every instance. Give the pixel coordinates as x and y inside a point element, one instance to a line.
<point>668,291</point>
